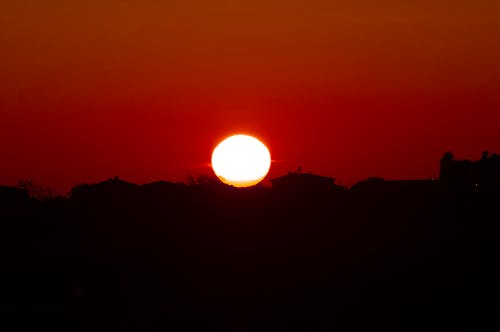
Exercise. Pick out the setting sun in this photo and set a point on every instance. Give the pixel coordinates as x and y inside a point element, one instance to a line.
<point>241,161</point>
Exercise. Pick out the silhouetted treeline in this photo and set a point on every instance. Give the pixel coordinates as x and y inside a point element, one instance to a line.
<point>388,255</point>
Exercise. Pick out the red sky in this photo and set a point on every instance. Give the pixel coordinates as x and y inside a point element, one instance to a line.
<point>145,89</point>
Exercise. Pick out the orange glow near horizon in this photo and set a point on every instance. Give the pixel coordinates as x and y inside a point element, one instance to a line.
<point>145,89</point>
<point>241,161</point>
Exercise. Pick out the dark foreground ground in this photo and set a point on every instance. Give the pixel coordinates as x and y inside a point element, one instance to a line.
<point>165,257</point>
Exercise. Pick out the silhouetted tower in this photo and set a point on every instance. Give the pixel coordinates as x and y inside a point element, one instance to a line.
<point>446,166</point>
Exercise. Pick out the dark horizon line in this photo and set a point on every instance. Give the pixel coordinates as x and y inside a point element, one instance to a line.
<point>215,181</point>
<point>212,179</point>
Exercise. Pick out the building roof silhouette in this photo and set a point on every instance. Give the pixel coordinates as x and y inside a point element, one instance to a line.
<point>465,175</point>
<point>304,182</point>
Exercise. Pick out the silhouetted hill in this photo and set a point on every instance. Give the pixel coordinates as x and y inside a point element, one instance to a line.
<point>391,255</point>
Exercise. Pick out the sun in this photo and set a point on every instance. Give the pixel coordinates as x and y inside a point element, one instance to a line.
<point>241,161</point>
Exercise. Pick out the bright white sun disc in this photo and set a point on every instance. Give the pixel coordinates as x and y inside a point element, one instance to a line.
<point>241,161</point>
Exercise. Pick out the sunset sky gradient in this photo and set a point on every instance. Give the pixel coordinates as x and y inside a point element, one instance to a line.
<point>145,89</point>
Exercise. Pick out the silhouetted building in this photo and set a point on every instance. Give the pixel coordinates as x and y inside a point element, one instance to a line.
<point>471,176</point>
<point>304,182</point>
<point>375,185</point>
